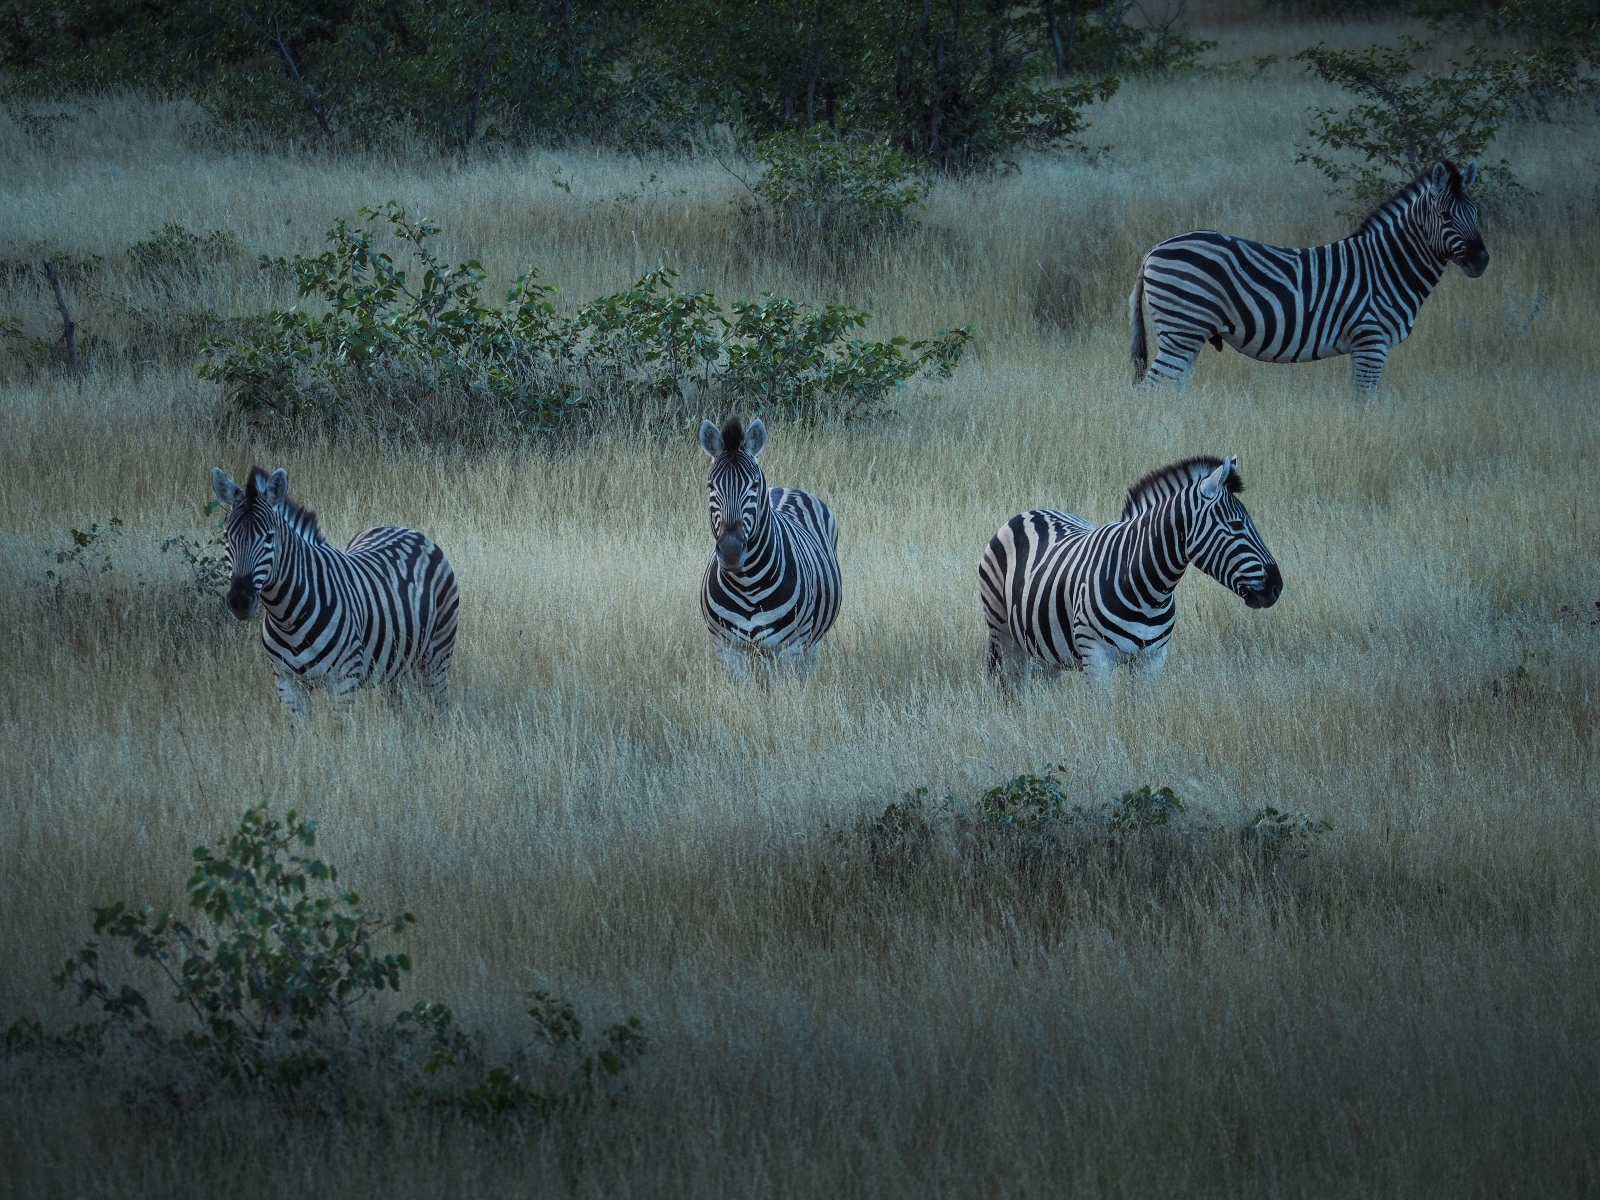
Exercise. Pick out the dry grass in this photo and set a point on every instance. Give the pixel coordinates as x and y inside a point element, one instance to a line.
<point>1412,1010</point>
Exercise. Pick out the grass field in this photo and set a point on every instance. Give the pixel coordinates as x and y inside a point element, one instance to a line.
<point>1413,1009</point>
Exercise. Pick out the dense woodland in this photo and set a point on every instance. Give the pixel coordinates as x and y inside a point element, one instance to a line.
<point>958,84</point>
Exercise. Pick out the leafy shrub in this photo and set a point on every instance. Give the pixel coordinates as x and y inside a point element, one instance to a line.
<point>1026,801</point>
<point>275,979</point>
<point>837,191</point>
<point>1406,120</point>
<point>1144,809</point>
<point>175,251</point>
<point>420,350</point>
<point>1275,832</point>
<point>1033,805</point>
<point>1105,42</point>
<point>1034,812</point>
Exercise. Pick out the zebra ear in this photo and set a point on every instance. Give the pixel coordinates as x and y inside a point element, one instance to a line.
<point>710,438</point>
<point>755,438</point>
<point>1214,484</point>
<point>1469,175</point>
<point>1440,175</point>
<point>226,489</point>
<point>277,488</point>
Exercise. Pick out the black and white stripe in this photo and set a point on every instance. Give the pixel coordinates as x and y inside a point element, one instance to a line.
<point>1061,593</point>
<point>772,588</point>
<point>339,618</point>
<point>1359,296</point>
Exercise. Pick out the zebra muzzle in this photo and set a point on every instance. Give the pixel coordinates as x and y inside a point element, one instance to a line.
<point>242,600</point>
<point>1267,594</point>
<point>730,551</point>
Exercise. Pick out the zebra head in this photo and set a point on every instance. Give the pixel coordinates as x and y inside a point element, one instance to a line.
<point>1453,218</point>
<point>737,486</point>
<point>251,532</point>
<point>1224,541</point>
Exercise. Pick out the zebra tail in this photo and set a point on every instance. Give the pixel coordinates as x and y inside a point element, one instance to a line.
<point>1139,351</point>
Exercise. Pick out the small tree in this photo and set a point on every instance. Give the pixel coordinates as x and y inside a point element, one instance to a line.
<point>274,979</point>
<point>1407,119</point>
<point>839,191</point>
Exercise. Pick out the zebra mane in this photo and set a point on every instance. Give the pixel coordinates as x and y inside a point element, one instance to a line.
<point>298,517</point>
<point>1407,194</point>
<point>1164,481</point>
<point>732,436</point>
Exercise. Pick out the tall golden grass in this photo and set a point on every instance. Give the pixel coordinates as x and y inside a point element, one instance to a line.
<point>1413,1009</point>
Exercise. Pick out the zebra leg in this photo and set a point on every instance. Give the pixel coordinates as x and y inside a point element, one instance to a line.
<point>797,661</point>
<point>433,671</point>
<point>735,661</point>
<point>436,681</point>
<point>1152,662</point>
<point>293,692</point>
<point>1098,658</point>
<point>1366,368</point>
<point>341,690</point>
<point>1008,663</point>
<point>1176,354</point>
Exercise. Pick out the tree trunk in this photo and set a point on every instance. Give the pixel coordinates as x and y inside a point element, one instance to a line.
<point>1054,29</point>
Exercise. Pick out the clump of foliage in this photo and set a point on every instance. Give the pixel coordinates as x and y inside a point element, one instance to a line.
<point>337,74</point>
<point>1144,809</point>
<point>173,251</point>
<point>274,978</point>
<point>1029,804</point>
<point>1099,38</point>
<point>819,187</point>
<point>955,85</point>
<point>415,346</point>
<point>86,555</point>
<point>1407,119</point>
<point>1027,801</point>
<point>1034,812</point>
<point>1274,832</point>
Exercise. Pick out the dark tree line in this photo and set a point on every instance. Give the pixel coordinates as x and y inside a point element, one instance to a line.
<point>956,84</point>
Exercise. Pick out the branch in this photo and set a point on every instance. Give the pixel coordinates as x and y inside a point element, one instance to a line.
<point>69,330</point>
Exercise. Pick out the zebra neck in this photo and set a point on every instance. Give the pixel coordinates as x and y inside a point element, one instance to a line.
<point>764,556</point>
<point>294,571</point>
<point>1161,549</point>
<point>1408,267</point>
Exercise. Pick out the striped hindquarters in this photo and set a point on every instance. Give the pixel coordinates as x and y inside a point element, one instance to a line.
<point>1026,580</point>
<point>367,614</point>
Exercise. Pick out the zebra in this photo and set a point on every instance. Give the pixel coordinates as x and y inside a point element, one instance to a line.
<point>1060,592</point>
<point>772,589</point>
<point>341,618</point>
<point>1358,296</point>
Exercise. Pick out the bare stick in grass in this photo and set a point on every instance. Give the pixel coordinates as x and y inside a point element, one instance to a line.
<point>69,330</point>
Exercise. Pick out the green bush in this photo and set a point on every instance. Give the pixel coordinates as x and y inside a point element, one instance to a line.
<point>1275,832</point>
<point>175,252</point>
<point>1144,809</point>
<point>1031,804</point>
<point>416,348</point>
<point>1408,119</point>
<point>818,187</point>
<point>275,980</point>
<point>1034,814</point>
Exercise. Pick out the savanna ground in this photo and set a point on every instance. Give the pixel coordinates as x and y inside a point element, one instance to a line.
<point>1411,1009</point>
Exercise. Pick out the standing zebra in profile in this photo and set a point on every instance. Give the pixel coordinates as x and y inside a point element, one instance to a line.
<point>1358,296</point>
<point>341,618</point>
<point>1058,591</point>
<point>772,588</point>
